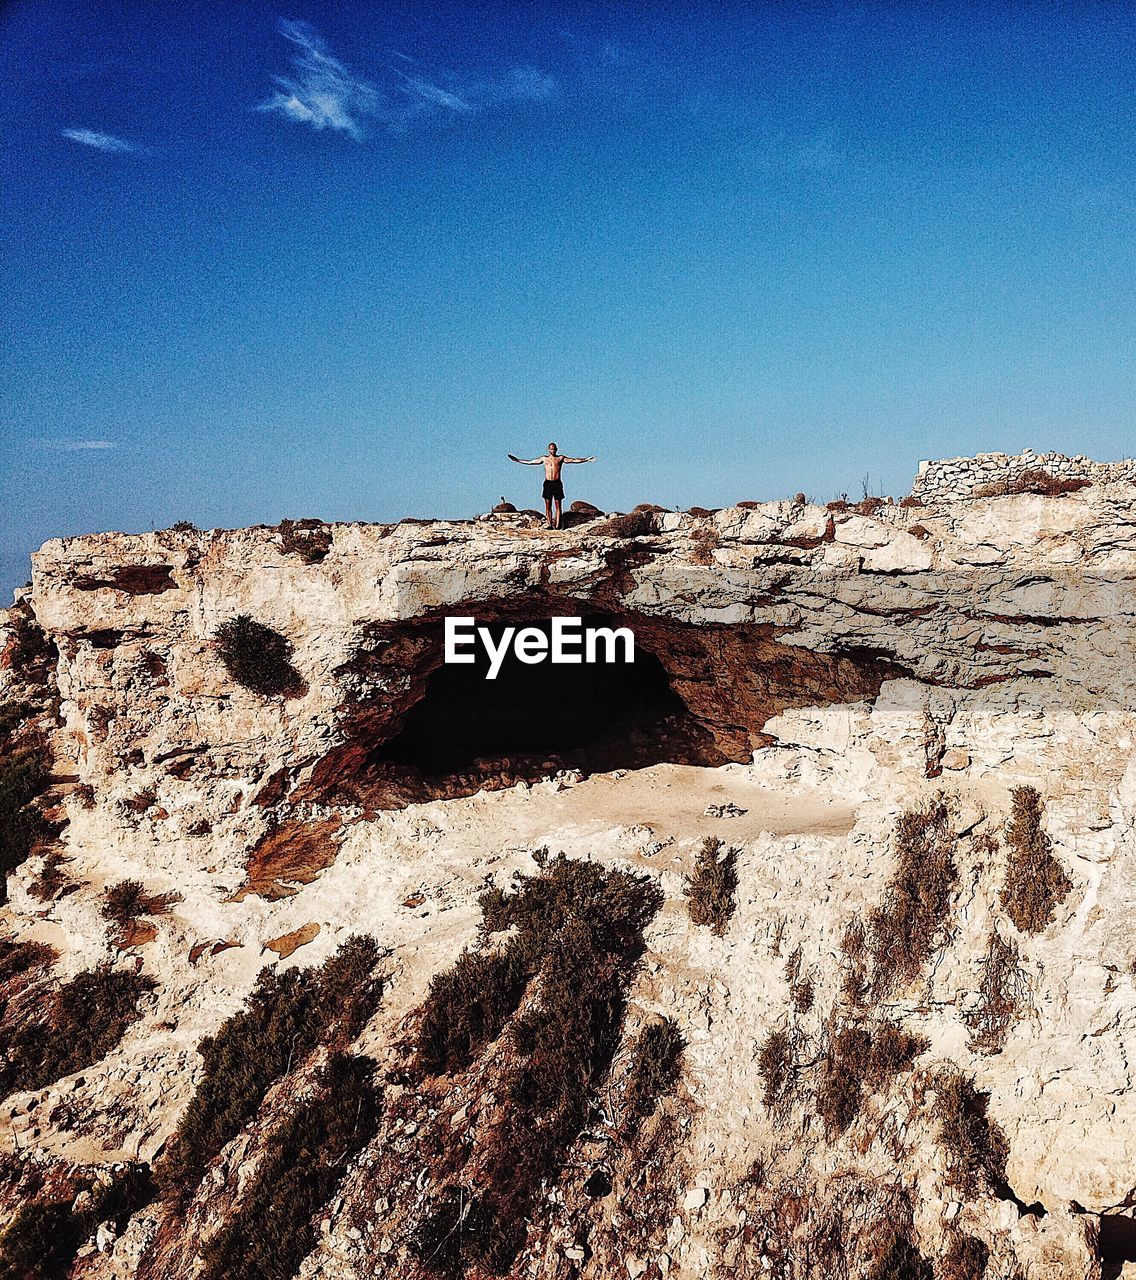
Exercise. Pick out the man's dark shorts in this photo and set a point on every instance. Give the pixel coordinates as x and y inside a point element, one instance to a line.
<point>554,489</point>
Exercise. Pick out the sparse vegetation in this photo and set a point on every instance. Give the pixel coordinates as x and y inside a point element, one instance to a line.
<point>903,931</point>
<point>257,657</point>
<point>578,932</point>
<point>24,777</point>
<point>711,886</point>
<point>1003,997</point>
<point>861,1057</point>
<point>965,1259</point>
<point>656,1063</point>
<point>285,1017</point>
<point>126,902</point>
<point>78,1024</point>
<point>1035,881</point>
<point>44,1235</point>
<point>974,1146</point>
<point>308,539</point>
<point>275,1226</point>
<point>1039,482</point>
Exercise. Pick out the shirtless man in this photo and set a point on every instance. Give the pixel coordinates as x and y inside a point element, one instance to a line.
<point>552,462</point>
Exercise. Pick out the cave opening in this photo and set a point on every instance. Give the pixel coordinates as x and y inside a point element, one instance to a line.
<point>598,716</point>
<point>1116,1243</point>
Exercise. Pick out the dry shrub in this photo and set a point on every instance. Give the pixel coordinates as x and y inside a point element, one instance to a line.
<point>794,1229</point>
<point>306,1158</point>
<point>656,1063</point>
<point>142,801</point>
<point>777,1066</point>
<point>868,506</point>
<point>710,887</point>
<point>285,1017</point>
<point>705,539</point>
<point>912,501</point>
<point>1003,997</point>
<point>802,989</point>
<point>49,884</point>
<point>1035,881</point>
<point>578,933</point>
<point>128,900</point>
<point>29,653</point>
<point>975,1147</point>
<point>861,1057</point>
<point>24,777</point>
<point>257,657</point>
<point>76,1025</point>
<point>44,1235</point>
<point>903,931</point>
<point>965,1259</point>
<point>467,1006</point>
<point>308,539</point>
<point>1035,481</point>
<point>637,524</point>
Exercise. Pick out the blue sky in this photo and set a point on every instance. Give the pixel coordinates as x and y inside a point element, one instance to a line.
<point>266,261</point>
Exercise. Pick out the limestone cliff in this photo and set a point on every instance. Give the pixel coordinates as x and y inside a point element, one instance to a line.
<point>806,676</point>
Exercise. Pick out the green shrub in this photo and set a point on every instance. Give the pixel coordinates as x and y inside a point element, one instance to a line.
<point>1035,881</point>
<point>257,657</point>
<point>711,886</point>
<point>286,1016</point>
<point>77,1025</point>
<point>656,1063</point>
<point>275,1226</point>
<point>904,930</point>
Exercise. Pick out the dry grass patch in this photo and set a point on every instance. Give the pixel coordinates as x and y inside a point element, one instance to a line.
<point>1036,882</point>
<point>711,886</point>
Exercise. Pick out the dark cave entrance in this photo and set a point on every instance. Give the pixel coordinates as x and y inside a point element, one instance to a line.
<point>1116,1243</point>
<point>596,716</point>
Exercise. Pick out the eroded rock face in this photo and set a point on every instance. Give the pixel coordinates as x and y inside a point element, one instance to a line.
<point>751,612</point>
<point>822,671</point>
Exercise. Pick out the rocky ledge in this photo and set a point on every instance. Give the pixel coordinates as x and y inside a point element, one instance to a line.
<point>887,718</point>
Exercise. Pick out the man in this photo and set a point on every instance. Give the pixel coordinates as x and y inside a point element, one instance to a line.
<point>553,487</point>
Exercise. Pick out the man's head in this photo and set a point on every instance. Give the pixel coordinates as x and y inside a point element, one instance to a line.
<point>552,448</point>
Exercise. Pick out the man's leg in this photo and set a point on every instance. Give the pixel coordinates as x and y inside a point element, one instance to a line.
<point>548,512</point>
<point>557,524</point>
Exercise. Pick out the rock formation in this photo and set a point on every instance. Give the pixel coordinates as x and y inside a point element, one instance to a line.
<point>869,1065</point>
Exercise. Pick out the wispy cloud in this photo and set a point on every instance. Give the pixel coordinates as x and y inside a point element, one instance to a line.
<point>323,93</point>
<point>103,141</point>
<point>76,446</point>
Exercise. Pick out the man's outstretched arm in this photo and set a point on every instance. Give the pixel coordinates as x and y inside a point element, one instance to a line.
<point>527,462</point>
<point>579,459</point>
